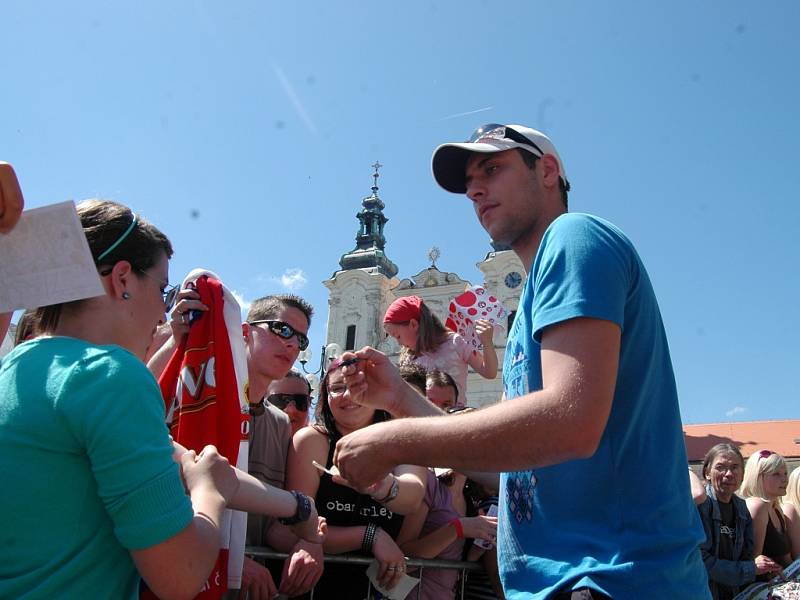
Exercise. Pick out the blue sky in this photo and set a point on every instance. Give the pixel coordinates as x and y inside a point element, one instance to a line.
<point>246,131</point>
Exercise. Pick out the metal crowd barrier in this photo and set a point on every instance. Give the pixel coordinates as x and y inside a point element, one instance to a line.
<point>462,566</point>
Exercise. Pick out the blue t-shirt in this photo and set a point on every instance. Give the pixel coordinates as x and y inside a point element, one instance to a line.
<point>621,522</point>
<point>87,471</point>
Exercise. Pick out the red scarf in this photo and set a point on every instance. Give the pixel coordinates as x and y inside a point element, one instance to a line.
<point>203,388</point>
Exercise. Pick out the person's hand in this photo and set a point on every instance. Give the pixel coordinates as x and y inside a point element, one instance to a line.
<point>480,528</point>
<point>5,321</point>
<point>257,583</point>
<point>11,201</point>
<point>391,560</point>
<point>302,570</point>
<point>209,472</point>
<point>364,457</point>
<point>376,490</point>
<point>484,330</point>
<point>312,529</point>
<point>765,565</point>
<point>373,380</point>
<point>187,299</point>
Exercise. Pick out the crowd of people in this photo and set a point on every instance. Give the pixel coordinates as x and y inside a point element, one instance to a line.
<point>551,489</point>
<point>750,516</point>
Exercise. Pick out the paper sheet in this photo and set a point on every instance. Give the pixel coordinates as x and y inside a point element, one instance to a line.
<point>46,260</point>
<point>398,592</point>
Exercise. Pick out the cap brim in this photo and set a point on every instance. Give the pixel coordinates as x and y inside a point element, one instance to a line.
<point>449,162</point>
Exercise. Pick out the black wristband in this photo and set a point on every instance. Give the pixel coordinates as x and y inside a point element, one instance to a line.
<point>303,511</point>
<point>369,538</point>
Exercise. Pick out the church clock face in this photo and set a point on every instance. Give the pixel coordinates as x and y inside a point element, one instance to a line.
<point>513,279</point>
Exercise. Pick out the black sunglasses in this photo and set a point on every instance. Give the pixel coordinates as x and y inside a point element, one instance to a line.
<point>502,132</point>
<point>284,330</point>
<point>281,401</point>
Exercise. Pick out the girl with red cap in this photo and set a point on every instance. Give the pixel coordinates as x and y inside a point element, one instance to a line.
<point>428,343</point>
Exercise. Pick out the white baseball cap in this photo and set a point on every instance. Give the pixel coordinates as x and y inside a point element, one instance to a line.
<point>449,161</point>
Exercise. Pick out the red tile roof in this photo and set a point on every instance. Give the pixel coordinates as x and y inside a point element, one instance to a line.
<point>778,436</point>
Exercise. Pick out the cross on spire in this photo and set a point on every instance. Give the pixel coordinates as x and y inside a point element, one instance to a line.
<point>375,175</point>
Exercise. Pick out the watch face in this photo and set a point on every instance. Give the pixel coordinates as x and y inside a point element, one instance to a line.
<point>513,279</point>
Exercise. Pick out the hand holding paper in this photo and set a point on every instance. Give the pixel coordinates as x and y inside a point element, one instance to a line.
<point>11,201</point>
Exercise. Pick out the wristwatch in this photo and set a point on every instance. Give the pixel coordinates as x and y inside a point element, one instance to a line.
<point>392,494</point>
<point>303,511</point>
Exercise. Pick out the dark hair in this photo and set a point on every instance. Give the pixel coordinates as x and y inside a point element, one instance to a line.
<point>27,327</point>
<point>439,378</point>
<point>295,374</point>
<point>530,161</point>
<point>325,423</point>
<point>723,448</point>
<point>104,224</point>
<point>414,374</point>
<point>268,307</point>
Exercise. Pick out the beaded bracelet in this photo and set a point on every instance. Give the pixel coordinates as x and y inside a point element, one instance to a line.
<point>369,538</point>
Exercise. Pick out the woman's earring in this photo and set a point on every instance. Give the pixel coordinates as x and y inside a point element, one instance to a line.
<point>126,296</point>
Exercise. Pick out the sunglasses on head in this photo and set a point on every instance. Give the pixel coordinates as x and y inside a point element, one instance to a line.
<point>765,453</point>
<point>284,331</point>
<point>496,131</point>
<point>281,401</point>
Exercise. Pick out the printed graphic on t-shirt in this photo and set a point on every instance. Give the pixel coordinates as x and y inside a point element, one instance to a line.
<point>519,486</point>
<point>519,495</point>
<point>728,531</point>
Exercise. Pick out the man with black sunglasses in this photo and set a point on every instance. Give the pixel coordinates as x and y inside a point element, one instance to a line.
<point>595,501</point>
<point>275,330</point>
<point>292,395</point>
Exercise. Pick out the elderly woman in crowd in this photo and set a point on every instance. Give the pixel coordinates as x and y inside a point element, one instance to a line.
<point>728,549</point>
<point>365,521</point>
<point>791,509</point>
<point>763,486</point>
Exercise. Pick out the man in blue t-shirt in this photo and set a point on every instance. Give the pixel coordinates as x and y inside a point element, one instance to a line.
<point>595,500</point>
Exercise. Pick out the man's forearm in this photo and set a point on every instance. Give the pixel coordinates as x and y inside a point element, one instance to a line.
<point>533,431</point>
<point>411,403</point>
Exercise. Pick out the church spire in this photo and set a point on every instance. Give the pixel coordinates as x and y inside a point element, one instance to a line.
<point>370,242</point>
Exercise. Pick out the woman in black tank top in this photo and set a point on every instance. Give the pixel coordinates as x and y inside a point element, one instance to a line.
<point>363,522</point>
<point>764,484</point>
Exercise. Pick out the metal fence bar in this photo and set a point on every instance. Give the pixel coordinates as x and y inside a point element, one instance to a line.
<point>263,552</point>
<point>421,563</point>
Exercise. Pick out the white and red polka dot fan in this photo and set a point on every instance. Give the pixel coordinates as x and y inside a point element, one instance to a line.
<point>474,304</point>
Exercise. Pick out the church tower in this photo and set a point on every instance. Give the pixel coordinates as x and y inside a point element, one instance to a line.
<point>360,291</point>
<point>367,283</point>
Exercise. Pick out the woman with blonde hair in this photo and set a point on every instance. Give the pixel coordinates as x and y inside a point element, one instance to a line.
<point>763,485</point>
<point>791,509</point>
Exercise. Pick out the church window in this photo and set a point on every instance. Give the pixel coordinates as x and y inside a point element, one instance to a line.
<point>350,344</point>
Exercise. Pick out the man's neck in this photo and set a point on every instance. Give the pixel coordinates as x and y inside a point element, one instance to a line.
<point>527,246</point>
<point>257,386</point>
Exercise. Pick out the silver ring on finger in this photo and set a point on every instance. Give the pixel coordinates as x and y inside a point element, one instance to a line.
<point>391,568</point>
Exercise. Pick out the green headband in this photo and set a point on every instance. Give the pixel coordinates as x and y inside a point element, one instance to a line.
<point>120,240</point>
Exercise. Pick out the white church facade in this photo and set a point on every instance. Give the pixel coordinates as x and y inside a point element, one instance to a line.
<point>367,283</point>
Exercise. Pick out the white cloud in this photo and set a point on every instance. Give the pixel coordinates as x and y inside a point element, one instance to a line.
<point>244,304</point>
<point>293,279</point>
<point>736,410</point>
